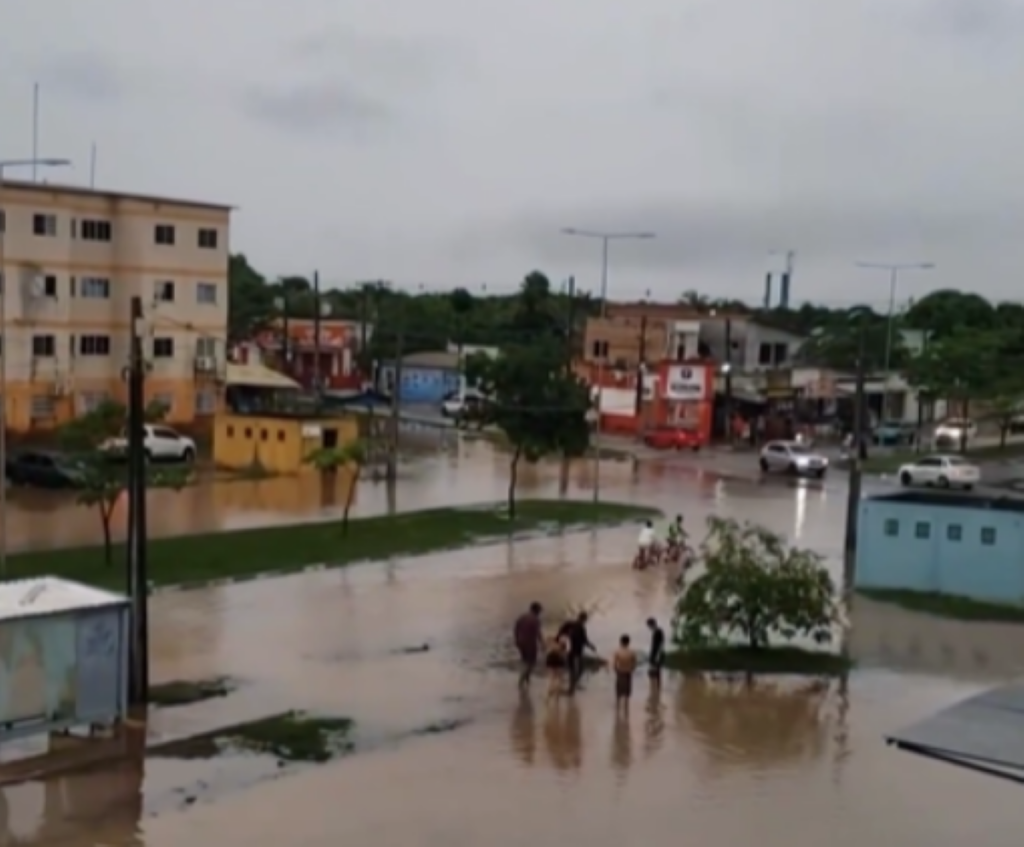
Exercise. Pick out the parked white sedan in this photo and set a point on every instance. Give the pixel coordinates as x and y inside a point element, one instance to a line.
<point>941,471</point>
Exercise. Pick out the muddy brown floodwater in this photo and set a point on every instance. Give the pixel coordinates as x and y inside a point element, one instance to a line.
<point>710,762</point>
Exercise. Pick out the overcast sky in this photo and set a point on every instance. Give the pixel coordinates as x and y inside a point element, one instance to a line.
<point>446,142</point>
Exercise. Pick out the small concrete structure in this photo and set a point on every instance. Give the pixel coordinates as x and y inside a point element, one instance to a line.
<point>278,443</point>
<point>964,544</point>
<point>63,657</point>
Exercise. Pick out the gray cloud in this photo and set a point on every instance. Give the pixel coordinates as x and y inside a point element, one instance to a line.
<point>81,74</point>
<point>316,107</point>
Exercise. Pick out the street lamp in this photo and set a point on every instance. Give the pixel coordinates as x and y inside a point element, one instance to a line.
<point>605,238</point>
<point>6,164</point>
<point>894,270</point>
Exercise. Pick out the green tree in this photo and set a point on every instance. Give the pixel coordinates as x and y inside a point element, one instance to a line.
<point>948,312</point>
<point>100,475</point>
<point>539,406</point>
<point>836,342</point>
<point>329,460</point>
<point>754,586</point>
<point>250,300</point>
<point>962,366</point>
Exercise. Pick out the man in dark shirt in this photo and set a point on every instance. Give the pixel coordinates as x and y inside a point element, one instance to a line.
<point>529,640</point>
<point>579,640</point>
<point>656,656</point>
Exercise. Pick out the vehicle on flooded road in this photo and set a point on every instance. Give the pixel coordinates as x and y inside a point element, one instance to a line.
<point>941,471</point>
<point>44,469</point>
<point>673,438</point>
<point>794,458</point>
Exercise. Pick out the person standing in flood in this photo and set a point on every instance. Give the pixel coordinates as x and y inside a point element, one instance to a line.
<point>575,632</point>
<point>529,639</point>
<point>656,656</point>
<point>624,666</point>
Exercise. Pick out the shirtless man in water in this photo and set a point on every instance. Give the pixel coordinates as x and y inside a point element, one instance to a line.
<point>624,665</point>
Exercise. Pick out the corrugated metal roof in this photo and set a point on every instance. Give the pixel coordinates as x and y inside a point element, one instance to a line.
<point>985,733</point>
<point>23,598</point>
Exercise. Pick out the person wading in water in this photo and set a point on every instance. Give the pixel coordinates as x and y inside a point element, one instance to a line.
<point>656,656</point>
<point>575,632</point>
<point>529,642</point>
<point>624,665</point>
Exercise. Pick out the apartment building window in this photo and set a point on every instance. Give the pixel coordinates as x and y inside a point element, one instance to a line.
<point>90,401</point>
<point>163,234</point>
<point>988,535</point>
<point>94,287</point>
<point>44,225</point>
<point>206,346</point>
<point>50,286</point>
<point>165,402</point>
<point>599,349</point>
<point>90,230</point>
<point>3,221</point>
<point>164,291</point>
<point>163,348</point>
<point>207,239</point>
<point>94,345</point>
<point>772,354</point>
<point>206,292</point>
<point>44,346</point>
<point>42,407</point>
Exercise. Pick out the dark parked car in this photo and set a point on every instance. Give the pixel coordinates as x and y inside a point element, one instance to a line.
<point>43,470</point>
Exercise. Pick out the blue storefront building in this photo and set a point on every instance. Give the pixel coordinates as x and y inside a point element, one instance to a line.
<point>970,545</point>
<point>426,377</point>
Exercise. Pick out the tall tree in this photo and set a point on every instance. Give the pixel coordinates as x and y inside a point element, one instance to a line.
<point>539,406</point>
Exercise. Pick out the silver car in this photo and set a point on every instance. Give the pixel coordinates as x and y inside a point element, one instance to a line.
<point>794,458</point>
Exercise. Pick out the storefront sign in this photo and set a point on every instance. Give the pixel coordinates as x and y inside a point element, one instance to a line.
<point>685,382</point>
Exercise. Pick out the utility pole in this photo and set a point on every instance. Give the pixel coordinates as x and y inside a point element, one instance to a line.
<point>138,576</point>
<point>396,386</point>
<point>286,343</point>
<point>570,337</point>
<point>316,336</point>
<point>854,487</point>
<point>641,369</point>
<point>728,380</point>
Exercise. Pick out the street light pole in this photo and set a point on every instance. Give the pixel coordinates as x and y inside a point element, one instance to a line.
<point>605,238</point>
<point>894,271</point>
<point>5,347</point>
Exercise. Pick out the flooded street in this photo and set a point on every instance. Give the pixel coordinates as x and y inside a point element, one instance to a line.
<point>782,764</point>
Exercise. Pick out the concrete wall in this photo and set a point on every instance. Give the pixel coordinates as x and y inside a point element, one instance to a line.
<point>68,297</point>
<point>277,445</point>
<point>965,550</point>
<point>420,385</point>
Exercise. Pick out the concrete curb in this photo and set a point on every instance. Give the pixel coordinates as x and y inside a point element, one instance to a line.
<point>489,541</point>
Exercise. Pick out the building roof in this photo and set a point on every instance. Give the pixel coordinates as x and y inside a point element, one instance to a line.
<point>26,598</point>
<point>85,191</point>
<point>257,376</point>
<point>954,500</point>
<point>984,733</point>
<point>439,359</point>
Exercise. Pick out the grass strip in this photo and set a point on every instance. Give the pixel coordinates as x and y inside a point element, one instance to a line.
<point>786,660</point>
<point>950,606</point>
<point>233,555</point>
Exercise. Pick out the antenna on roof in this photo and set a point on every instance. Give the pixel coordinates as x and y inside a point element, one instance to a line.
<point>35,131</point>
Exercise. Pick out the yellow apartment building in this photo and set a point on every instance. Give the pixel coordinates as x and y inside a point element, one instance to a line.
<point>71,259</point>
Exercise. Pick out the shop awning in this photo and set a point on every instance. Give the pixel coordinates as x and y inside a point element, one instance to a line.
<point>984,733</point>
<point>258,376</point>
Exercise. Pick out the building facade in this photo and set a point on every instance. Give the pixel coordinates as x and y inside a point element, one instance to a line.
<point>967,545</point>
<point>292,347</point>
<point>72,259</point>
<point>426,378</point>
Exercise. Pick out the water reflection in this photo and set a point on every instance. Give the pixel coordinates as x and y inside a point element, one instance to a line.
<point>755,725</point>
<point>563,734</point>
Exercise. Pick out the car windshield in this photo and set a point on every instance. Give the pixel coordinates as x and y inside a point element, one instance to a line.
<point>956,460</point>
<point>957,422</point>
<point>799,448</point>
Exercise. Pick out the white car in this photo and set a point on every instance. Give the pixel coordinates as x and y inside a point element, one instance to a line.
<point>793,457</point>
<point>954,430</point>
<point>161,443</point>
<point>941,471</point>
<point>458,403</point>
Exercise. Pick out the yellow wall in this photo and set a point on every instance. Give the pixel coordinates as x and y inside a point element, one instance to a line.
<point>277,445</point>
<point>67,404</point>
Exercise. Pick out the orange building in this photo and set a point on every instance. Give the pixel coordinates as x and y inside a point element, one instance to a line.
<point>673,394</point>
<point>337,350</point>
